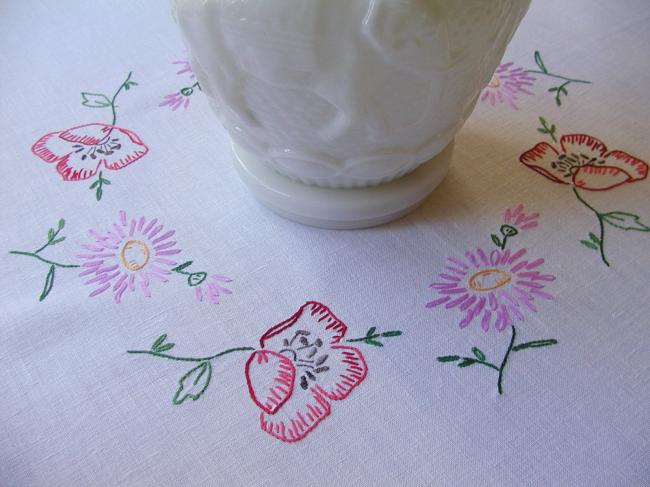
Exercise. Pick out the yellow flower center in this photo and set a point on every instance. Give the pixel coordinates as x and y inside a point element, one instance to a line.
<point>488,280</point>
<point>495,82</point>
<point>134,255</point>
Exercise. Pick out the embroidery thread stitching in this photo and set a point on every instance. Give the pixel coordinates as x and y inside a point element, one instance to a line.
<point>51,241</point>
<point>299,368</point>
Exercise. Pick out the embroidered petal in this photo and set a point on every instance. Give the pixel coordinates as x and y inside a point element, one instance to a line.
<point>599,178</point>
<point>313,319</point>
<point>582,144</point>
<point>636,168</point>
<point>300,415</point>
<point>342,370</point>
<point>73,161</point>
<point>541,159</point>
<point>270,377</point>
<point>131,149</point>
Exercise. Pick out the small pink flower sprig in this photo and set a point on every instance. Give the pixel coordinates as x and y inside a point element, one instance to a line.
<point>515,221</point>
<point>181,98</point>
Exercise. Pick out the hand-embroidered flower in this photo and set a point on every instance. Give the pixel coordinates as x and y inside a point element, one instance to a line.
<point>128,256</point>
<point>299,369</point>
<point>181,98</point>
<point>515,221</point>
<point>506,84</point>
<point>584,162</point>
<point>496,288</point>
<point>80,151</point>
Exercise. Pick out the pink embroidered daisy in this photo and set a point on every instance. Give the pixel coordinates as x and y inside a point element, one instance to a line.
<point>211,288</point>
<point>496,288</point>
<point>129,255</point>
<point>506,84</point>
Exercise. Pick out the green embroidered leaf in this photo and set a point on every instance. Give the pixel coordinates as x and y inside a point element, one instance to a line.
<point>61,224</point>
<point>95,184</point>
<point>159,341</point>
<point>105,181</point>
<point>540,62</point>
<point>496,240</point>
<point>194,383</point>
<point>196,278</point>
<point>99,193</point>
<point>371,331</point>
<point>535,344</point>
<point>182,266</point>
<point>625,221</point>
<point>467,362</point>
<point>160,346</point>
<point>389,334</point>
<point>478,354</point>
<point>552,90</point>
<point>49,282</point>
<point>589,244</point>
<point>50,234</point>
<point>594,239</point>
<point>58,240</point>
<point>448,358</point>
<point>375,343</point>
<point>95,100</point>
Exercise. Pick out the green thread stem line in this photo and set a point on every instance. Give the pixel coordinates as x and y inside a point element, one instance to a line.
<point>557,76</point>
<point>361,339</point>
<point>128,78</point>
<point>505,359</point>
<point>191,359</point>
<point>487,364</point>
<point>33,254</point>
<point>601,244</point>
<point>48,242</point>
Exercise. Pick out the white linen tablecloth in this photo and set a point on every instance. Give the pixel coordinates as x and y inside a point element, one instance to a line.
<point>389,377</point>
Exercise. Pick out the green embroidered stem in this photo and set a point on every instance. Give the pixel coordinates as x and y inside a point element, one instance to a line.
<point>125,84</point>
<point>479,356</point>
<point>190,359</point>
<point>505,360</point>
<point>596,243</point>
<point>545,129</point>
<point>557,76</point>
<point>371,337</point>
<point>98,186</point>
<point>558,90</point>
<point>33,254</point>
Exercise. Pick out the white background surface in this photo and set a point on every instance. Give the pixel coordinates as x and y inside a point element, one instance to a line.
<point>76,410</point>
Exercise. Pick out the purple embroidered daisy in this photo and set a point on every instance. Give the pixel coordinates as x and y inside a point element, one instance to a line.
<point>498,287</point>
<point>129,255</point>
<point>506,84</point>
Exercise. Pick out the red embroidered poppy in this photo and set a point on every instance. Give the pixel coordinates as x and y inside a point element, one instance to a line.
<point>585,162</point>
<point>80,151</point>
<point>300,369</point>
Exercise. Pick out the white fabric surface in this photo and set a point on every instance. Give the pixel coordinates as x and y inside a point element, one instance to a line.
<point>77,410</point>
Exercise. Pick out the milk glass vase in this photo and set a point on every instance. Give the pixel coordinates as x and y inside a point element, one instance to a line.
<point>342,113</point>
